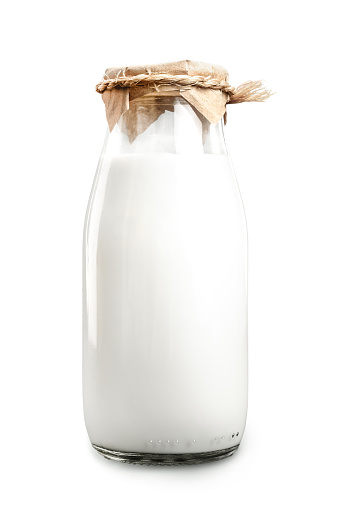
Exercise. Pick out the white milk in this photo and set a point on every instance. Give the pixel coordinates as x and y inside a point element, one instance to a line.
<point>165,338</point>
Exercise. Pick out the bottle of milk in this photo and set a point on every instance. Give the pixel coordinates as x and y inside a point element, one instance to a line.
<point>165,276</point>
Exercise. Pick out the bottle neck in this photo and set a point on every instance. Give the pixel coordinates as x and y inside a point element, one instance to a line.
<point>165,124</point>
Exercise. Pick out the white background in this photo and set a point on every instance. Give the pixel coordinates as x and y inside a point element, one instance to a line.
<point>285,156</point>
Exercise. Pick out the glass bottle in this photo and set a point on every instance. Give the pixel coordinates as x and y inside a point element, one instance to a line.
<point>165,291</point>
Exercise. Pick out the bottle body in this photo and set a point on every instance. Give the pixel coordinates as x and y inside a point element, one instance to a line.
<point>165,304</point>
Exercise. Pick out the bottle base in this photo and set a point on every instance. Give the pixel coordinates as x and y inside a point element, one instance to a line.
<point>144,458</point>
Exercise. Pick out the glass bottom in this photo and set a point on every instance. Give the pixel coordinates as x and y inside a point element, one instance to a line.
<point>145,458</point>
